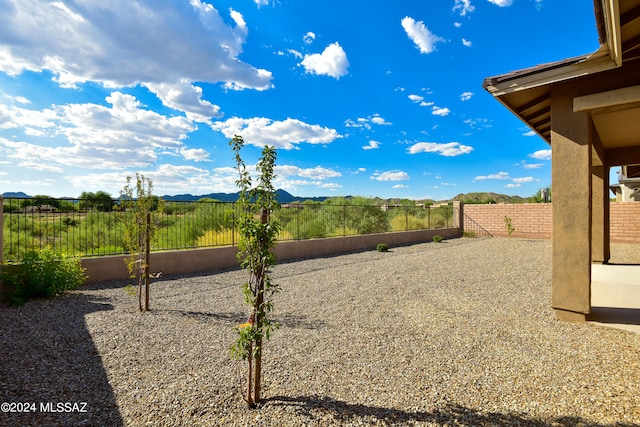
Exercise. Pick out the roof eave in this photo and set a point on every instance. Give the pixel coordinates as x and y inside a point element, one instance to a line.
<point>547,74</point>
<point>607,57</point>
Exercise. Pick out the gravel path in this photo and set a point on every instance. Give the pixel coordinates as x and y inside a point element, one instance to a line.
<point>456,333</point>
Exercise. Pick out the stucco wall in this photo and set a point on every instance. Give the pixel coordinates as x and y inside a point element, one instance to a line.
<point>198,260</point>
<point>533,220</point>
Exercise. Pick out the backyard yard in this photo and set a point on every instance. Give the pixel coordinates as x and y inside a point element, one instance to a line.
<point>453,333</point>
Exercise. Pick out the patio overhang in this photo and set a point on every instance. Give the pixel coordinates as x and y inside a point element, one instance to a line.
<point>588,109</point>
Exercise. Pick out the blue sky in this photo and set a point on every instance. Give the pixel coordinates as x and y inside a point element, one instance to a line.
<point>376,98</point>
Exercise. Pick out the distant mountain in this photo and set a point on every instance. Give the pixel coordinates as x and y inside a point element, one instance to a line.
<point>286,197</point>
<point>19,195</point>
<point>484,198</point>
<point>283,197</point>
<point>223,197</point>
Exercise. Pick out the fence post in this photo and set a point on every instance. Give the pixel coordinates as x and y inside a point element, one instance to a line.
<point>458,220</point>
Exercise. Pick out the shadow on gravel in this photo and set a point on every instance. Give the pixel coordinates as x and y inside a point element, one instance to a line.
<point>297,321</point>
<point>237,318</point>
<point>347,413</point>
<point>230,318</point>
<point>51,368</point>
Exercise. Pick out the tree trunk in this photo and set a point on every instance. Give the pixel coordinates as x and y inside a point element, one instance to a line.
<point>147,262</point>
<point>259,315</point>
<point>249,388</point>
<point>258,320</point>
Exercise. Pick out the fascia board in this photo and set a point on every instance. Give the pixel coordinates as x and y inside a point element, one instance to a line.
<point>597,62</point>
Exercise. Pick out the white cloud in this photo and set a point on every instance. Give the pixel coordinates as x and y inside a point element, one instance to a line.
<point>331,62</point>
<point>424,39</point>
<point>523,180</point>
<point>440,111</point>
<point>295,53</point>
<point>315,177</point>
<point>241,25</point>
<point>541,155</point>
<point>183,96</point>
<point>466,42</point>
<point>74,43</point>
<point>318,172</point>
<point>416,98</point>
<point>499,175</point>
<point>358,123</point>
<point>14,117</point>
<point>465,96</point>
<point>529,133</point>
<point>261,2</point>
<point>195,154</point>
<point>372,145</point>
<point>501,3</point>
<point>378,120</point>
<point>526,165</point>
<point>464,6</point>
<point>309,37</point>
<point>365,122</point>
<point>449,149</point>
<point>167,179</point>
<point>261,131</point>
<point>478,123</point>
<point>515,182</point>
<point>39,166</point>
<point>293,184</point>
<point>394,175</point>
<point>19,99</point>
<point>399,186</point>
<point>99,137</point>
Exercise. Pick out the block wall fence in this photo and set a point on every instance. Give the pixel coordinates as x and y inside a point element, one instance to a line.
<point>534,220</point>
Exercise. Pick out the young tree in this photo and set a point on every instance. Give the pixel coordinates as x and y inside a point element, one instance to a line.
<point>139,231</point>
<point>257,238</point>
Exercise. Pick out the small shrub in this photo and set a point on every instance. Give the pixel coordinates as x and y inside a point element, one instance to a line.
<point>382,247</point>
<point>131,290</point>
<point>508,226</point>
<point>70,222</point>
<point>468,234</point>
<point>42,273</point>
<point>437,238</point>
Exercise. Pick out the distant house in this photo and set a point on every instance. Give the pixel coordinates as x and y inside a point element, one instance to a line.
<point>628,187</point>
<point>39,209</point>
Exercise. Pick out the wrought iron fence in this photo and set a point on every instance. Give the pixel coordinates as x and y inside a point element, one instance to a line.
<point>78,227</point>
<point>473,229</point>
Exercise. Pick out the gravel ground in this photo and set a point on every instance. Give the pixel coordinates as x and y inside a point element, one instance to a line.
<point>456,333</point>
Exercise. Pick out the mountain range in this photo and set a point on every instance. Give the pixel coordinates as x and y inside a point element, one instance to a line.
<point>286,197</point>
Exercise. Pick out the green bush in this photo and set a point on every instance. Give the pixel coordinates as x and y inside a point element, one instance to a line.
<point>437,238</point>
<point>42,273</point>
<point>382,247</point>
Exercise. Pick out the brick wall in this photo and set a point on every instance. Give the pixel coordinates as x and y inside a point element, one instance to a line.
<point>625,222</point>
<point>528,220</point>
<point>534,220</point>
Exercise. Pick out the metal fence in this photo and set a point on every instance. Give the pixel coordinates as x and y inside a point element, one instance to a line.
<point>77,227</point>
